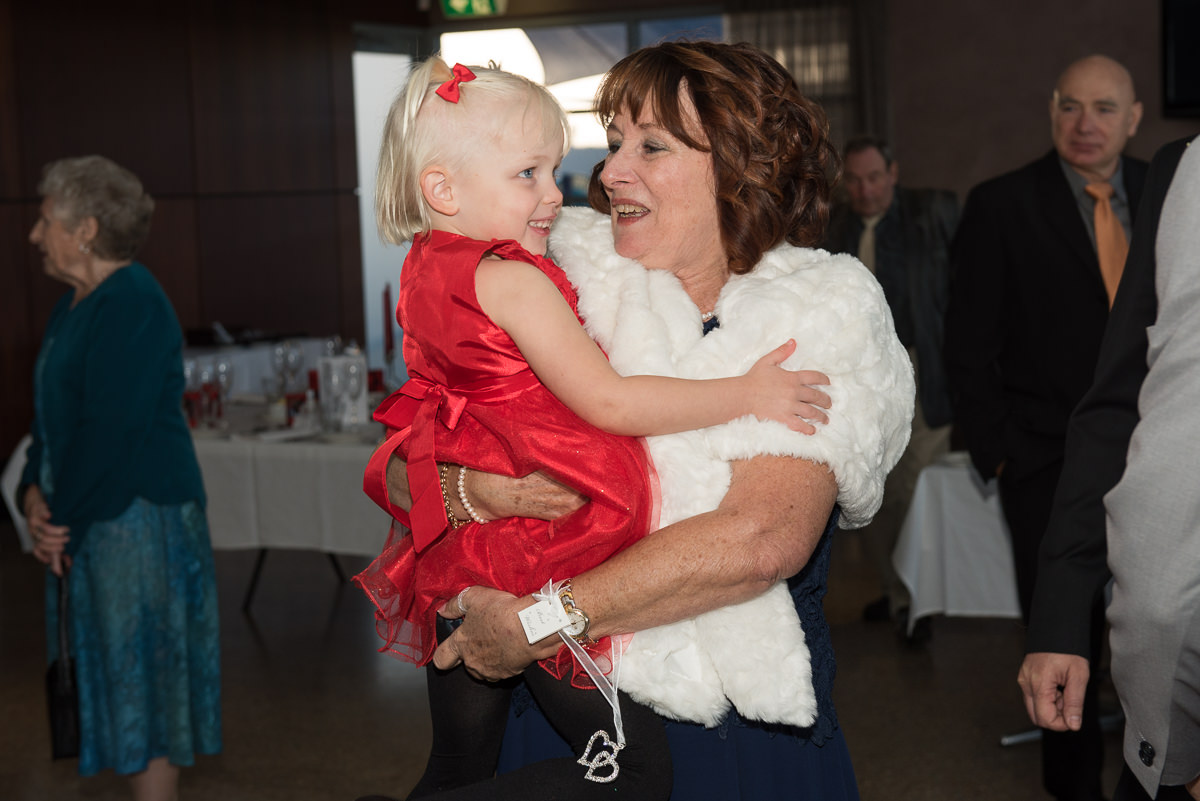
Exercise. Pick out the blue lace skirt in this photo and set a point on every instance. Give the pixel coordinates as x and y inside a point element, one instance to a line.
<point>143,626</point>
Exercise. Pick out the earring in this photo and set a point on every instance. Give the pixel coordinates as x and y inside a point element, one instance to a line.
<point>85,249</point>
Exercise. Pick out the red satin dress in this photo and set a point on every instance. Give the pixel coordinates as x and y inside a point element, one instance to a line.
<point>472,399</point>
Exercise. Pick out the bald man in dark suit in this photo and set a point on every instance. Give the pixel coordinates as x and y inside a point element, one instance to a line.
<point>1028,308</point>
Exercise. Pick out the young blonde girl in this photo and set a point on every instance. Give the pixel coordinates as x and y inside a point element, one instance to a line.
<point>505,380</point>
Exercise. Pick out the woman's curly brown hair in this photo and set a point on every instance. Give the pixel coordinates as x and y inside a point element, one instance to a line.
<point>773,164</point>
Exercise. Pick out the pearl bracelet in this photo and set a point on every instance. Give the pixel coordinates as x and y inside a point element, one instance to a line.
<point>462,496</point>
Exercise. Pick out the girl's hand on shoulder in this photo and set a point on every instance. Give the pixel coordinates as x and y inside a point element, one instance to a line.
<point>787,396</point>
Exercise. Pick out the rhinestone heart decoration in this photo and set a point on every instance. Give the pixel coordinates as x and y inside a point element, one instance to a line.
<point>604,757</point>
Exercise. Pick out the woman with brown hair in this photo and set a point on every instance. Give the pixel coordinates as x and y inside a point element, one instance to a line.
<point>714,191</point>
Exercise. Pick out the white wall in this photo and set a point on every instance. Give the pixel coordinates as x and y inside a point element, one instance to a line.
<point>377,79</point>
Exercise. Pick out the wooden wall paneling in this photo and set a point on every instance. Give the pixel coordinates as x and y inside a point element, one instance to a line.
<point>341,49</point>
<point>349,262</point>
<point>10,162</point>
<point>170,253</point>
<point>18,339</point>
<point>350,269</point>
<point>107,80</point>
<point>263,97</point>
<point>270,262</point>
<point>976,103</point>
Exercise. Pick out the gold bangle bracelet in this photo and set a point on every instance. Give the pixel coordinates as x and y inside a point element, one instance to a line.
<point>443,472</point>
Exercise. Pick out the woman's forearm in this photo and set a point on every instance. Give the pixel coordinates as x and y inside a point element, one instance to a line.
<point>397,483</point>
<point>764,530</point>
<point>493,496</point>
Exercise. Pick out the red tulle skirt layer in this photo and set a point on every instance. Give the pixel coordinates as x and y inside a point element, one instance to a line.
<point>518,555</point>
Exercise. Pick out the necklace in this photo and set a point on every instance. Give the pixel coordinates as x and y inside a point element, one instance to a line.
<point>706,316</point>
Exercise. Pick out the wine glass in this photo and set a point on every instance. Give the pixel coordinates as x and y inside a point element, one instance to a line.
<point>191,385</point>
<point>206,376</point>
<point>189,374</point>
<point>354,388</point>
<point>293,363</point>
<point>333,391</point>
<point>279,365</point>
<point>223,367</point>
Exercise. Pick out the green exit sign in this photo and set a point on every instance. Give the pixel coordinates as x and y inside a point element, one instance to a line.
<point>473,8</point>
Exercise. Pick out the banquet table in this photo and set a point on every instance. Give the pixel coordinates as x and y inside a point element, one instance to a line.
<point>303,494</point>
<point>264,493</point>
<point>954,553</point>
<point>9,480</point>
<point>270,492</point>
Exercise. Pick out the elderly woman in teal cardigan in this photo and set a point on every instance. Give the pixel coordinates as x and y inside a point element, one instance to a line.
<point>112,490</point>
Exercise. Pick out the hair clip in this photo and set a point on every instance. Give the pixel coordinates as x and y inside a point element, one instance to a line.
<point>449,90</point>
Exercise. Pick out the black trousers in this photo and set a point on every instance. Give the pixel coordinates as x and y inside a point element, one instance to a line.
<point>1071,761</point>
<point>469,717</point>
<point>1130,789</point>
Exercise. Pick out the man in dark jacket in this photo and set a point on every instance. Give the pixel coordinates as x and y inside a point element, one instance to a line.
<point>1036,261</point>
<point>903,236</point>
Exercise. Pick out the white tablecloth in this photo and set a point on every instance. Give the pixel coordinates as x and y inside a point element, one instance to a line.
<point>8,485</point>
<point>290,495</point>
<point>305,494</point>
<point>954,552</point>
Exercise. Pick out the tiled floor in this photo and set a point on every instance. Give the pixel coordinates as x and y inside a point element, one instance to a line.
<point>312,712</point>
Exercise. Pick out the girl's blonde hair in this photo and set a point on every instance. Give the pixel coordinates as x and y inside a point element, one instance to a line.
<point>423,129</point>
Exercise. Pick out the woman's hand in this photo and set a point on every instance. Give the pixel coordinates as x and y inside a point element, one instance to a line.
<point>49,541</point>
<point>490,640</point>
<point>787,396</point>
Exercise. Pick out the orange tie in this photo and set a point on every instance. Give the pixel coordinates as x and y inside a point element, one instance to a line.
<point>1111,245</point>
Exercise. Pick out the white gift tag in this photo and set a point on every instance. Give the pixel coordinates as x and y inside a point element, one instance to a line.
<point>543,619</point>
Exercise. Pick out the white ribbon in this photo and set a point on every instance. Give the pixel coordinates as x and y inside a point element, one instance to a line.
<point>607,687</point>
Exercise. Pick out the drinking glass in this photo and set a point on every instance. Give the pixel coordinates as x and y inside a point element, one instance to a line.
<point>206,375</point>
<point>279,365</point>
<point>190,375</point>
<point>223,367</point>
<point>293,363</point>
<point>333,394</point>
<point>354,388</point>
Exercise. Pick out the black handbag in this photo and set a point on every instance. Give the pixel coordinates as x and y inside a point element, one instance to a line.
<point>61,692</point>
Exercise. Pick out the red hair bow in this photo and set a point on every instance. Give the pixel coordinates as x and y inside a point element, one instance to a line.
<point>449,90</point>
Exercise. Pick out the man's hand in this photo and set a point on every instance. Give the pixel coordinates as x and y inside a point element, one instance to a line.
<point>490,642</point>
<point>1053,686</point>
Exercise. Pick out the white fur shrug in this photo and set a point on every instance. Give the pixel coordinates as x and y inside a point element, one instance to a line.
<point>752,654</point>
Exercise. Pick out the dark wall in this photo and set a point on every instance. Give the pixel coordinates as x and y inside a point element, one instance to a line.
<point>239,119</point>
<point>971,82</point>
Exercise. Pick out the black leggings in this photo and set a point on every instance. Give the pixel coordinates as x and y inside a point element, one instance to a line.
<point>468,726</point>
